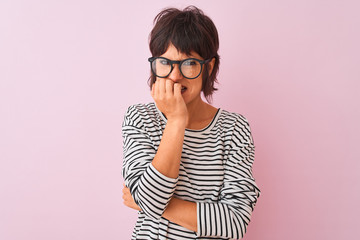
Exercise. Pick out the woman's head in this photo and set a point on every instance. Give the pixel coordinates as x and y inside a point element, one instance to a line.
<point>189,30</point>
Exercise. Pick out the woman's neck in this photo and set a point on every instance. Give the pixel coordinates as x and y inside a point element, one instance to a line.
<point>200,114</point>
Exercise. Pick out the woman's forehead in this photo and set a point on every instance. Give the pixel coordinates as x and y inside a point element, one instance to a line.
<point>174,53</point>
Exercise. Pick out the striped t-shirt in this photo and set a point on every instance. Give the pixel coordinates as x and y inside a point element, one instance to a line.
<point>215,172</point>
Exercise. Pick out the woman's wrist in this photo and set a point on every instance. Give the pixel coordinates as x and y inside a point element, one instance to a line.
<point>182,212</point>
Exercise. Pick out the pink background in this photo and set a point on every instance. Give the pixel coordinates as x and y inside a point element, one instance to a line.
<point>69,69</point>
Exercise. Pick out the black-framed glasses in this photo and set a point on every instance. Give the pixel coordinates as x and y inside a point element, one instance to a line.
<point>190,68</point>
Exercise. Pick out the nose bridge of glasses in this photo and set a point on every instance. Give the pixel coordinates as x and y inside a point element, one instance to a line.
<point>176,64</point>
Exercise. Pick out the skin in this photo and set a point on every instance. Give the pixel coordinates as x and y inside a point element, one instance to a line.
<point>182,110</point>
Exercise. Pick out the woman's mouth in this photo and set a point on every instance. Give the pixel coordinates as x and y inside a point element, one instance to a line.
<point>183,89</point>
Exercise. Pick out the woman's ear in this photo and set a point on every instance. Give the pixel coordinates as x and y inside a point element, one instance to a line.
<point>211,65</point>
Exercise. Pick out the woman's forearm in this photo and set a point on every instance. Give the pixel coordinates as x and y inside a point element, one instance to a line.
<point>168,155</point>
<point>182,212</point>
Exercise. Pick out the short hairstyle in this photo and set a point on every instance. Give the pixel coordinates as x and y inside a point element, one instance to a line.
<point>188,30</point>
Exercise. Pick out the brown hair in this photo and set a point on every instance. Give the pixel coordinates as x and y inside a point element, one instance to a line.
<point>188,30</point>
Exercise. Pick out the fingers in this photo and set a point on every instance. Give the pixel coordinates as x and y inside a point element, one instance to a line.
<point>128,199</point>
<point>162,88</point>
<point>169,88</point>
<point>177,90</point>
<point>126,195</point>
<point>168,98</point>
<point>126,190</point>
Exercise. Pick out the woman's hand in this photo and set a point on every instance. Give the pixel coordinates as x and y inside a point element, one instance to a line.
<point>168,99</point>
<point>129,200</point>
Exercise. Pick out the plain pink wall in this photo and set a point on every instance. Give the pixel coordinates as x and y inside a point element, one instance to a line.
<point>69,69</point>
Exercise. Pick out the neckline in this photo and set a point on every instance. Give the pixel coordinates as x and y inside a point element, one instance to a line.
<point>205,129</point>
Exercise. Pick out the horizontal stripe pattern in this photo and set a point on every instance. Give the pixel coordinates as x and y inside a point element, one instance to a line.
<point>215,172</point>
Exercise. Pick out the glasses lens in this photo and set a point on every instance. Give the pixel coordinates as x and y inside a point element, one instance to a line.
<point>191,68</point>
<point>161,67</point>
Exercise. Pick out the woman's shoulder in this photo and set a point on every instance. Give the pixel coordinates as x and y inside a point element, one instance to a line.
<point>234,117</point>
<point>238,124</point>
<point>139,113</point>
<point>141,108</point>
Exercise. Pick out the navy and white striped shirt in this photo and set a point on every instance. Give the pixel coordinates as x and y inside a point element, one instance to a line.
<point>215,172</point>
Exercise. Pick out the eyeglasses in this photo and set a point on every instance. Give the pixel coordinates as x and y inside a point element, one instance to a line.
<point>190,68</point>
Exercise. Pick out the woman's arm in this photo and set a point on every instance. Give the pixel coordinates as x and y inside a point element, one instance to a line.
<point>231,214</point>
<point>168,99</point>
<point>182,212</point>
<point>150,174</point>
<point>178,211</point>
<point>168,155</point>
<point>150,189</point>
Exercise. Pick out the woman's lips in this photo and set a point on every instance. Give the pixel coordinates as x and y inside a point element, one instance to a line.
<point>183,89</point>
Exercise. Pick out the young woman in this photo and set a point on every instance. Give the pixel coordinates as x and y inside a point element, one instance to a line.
<point>187,165</point>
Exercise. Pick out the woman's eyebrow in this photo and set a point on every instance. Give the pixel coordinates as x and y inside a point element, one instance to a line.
<point>187,57</point>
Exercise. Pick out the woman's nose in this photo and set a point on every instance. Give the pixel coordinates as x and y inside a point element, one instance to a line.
<point>175,74</point>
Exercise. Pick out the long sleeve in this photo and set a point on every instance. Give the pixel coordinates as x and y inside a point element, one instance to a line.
<point>230,216</point>
<point>150,189</point>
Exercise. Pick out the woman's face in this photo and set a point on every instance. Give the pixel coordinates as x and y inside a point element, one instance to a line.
<point>191,88</point>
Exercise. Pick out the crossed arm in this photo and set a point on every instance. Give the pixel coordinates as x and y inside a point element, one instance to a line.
<point>178,211</point>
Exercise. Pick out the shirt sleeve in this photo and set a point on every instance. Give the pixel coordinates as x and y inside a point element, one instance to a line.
<point>150,189</point>
<point>230,216</point>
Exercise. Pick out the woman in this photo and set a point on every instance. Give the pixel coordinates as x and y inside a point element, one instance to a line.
<point>187,165</point>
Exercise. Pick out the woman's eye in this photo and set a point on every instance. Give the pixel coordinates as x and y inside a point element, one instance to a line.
<point>164,62</point>
<point>190,63</point>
